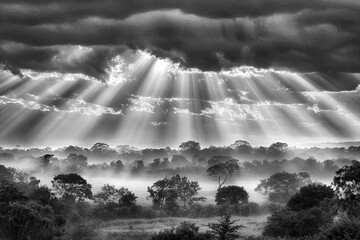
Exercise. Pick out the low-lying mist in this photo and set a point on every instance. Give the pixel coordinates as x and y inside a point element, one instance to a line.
<point>137,169</point>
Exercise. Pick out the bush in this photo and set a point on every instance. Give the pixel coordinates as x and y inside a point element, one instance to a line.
<point>186,231</point>
<point>127,236</point>
<point>287,223</point>
<point>344,229</point>
<point>82,232</point>
<point>310,196</point>
<point>201,211</point>
<point>248,209</point>
<point>28,220</point>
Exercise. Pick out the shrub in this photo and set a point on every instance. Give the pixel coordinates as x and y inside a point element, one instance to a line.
<point>287,223</point>
<point>344,229</point>
<point>247,209</point>
<point>82,232</point>
<point>186,231</point>
<point>127,236</point>
<point>310,196</point>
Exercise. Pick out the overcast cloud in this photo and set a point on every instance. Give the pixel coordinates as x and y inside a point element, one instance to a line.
<point>306,36</point>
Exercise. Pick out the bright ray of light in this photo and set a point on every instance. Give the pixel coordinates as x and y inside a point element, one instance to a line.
<point>137,121</point>
<point>149,101</point>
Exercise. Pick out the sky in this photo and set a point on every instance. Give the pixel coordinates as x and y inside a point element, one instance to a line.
<point>160,72</point>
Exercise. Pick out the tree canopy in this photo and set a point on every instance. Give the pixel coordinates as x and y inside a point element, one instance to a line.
<point>310,196</point>
<point>282,185</point>
<point>347,187</point>
<point>231,195</point>
<point>71,186</point>
<point>176,191</point>
<point>222,172</point>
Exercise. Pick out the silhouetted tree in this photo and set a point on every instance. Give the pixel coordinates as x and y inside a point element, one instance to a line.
<point>282,185</point>
<point>231,195</point>
<point>71,187</point>
<point>330,166</point>
<point>174,191</point>
<point>278,149</point>
<point>156,164</point>
<point>287,223</point>
<point>310,196</point>
<point>76,163</point>
<point>45,160</point>
<point>218,159</point>
<point>189,146</point>
<point>110,194</point>
<point>179,161</point>
<point>222,172</point>
<point>242,147</point>
<point>118,166</point>
<point>226,228</point>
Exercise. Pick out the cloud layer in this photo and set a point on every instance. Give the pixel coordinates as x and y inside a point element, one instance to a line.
<point>305,36</point>
<point>154,101</point>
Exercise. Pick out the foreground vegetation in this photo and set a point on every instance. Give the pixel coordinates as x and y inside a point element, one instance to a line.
<point>297,207</point>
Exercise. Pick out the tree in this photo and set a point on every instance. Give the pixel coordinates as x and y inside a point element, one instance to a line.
<point>218,159</point>
<point>242,147</point>
<point>278,149</point>
<point>71,187</point>
<point>118,166</point>
<point>282,185</point>
<point>222,172</point>
<point>190,146</point>
<point>9,193</point>
<point>28,220</point>
<point>330,166</point>
<point>110,194</point>
<point>179,161</point>
<point>23,218</point>
<point>45,160</point>
<point>310,196</point>
<point>139,167</point>
<point>174,192</point>
<point>343,229</point>
<point>347,188</point>
<point>6,174</point>
<point>287,223</point>
<point>155,165</point>
<point>102,149</point>
<point>127,198</point>
<point>231,195</point>
<point>76,163</point>
<point>226,228</point>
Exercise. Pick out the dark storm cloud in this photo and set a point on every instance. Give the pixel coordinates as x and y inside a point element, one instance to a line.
<point>321,36</point>
<point>40,11</point>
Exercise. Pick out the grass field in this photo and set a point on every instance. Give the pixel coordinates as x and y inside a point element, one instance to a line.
<point>146,227</point>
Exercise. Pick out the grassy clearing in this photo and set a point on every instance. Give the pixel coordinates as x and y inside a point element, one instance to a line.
<point>145,227</point>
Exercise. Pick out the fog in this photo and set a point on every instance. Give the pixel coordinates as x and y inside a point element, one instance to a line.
<point>138,169</point>
<point>139,183</point>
